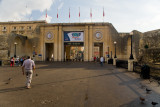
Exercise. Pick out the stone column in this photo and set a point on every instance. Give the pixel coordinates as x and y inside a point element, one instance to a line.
<point>86,44</point>
<point>60,44</point>
<point>90,43</point>
<point>56,43</point>
<point>41,46</point>
<point>130,64</point>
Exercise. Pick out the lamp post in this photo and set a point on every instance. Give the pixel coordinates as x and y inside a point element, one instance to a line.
<point>15,49</point>
<point>131,56</point>
<point>34,51</point>
<point>115,49</point>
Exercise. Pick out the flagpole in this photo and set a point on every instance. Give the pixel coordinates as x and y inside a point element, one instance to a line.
<point>91,14</point>
<point>57,15</point>
<point>79,15</point>
<point>69,15</point>
<point>26,11</point>
<point>103,14</point>
<point>46,15</point>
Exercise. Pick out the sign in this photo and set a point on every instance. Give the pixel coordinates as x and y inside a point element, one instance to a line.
<point>73,36</point>
<point>74,43</point>
<point>40,55</point>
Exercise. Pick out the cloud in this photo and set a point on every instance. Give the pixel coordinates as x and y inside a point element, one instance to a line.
<point>48,19</point>
<point>60,6</point>
<point>18,9</point>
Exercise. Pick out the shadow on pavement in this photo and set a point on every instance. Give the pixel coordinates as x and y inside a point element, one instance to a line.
<point>12,89</point>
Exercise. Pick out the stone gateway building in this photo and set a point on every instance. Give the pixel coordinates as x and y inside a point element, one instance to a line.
<point>66,41</point>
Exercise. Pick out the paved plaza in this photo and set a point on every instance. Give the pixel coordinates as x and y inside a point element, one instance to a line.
<point>75,84</point>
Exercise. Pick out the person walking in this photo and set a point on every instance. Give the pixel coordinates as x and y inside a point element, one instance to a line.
<point>12,62</point>
<point>28,67</point>
<point>21,60</point>
<point>101,61</point>
<point>17,61</point>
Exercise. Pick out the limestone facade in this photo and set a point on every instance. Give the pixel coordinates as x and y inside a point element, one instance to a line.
<point>32,38</point>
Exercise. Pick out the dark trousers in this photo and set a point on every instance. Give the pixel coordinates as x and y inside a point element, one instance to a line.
<point>101,63</point>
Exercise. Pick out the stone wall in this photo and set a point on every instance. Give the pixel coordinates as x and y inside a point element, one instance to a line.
<point>150,47</point>
<point>3,47</point>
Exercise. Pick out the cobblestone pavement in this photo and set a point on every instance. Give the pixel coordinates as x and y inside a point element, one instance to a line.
<point>75,84</point>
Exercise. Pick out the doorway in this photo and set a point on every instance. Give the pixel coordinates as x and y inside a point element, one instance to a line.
<point>98,50</point>
<point>49,51</point>
<point>73,51</point>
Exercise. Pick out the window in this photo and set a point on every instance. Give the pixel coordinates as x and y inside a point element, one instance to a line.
<point>29,27</point>
<point>4,28</point>
<point>21,27</point>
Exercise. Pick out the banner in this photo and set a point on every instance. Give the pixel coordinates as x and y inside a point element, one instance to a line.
<point>73,36</point>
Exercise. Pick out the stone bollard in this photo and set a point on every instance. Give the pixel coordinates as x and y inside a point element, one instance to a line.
<point>130,64</point>
<point>107,60</point>
<point>114,61</point>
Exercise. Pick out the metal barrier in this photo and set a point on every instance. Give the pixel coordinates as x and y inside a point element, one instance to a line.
<point>110,61</point>
<point>0,62</point>
<point>122,63</point>
<point>154,71</point>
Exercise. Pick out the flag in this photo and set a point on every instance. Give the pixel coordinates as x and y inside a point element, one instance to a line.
<point>57,13</point>
<point>79,12</point>
<point>103,12</point>
<point>69,13</point>
<point>46,13</point>
<point>91,12</point>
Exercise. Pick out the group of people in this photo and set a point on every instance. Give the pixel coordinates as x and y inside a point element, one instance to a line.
<point>101,60</point>
<point>18,61</point>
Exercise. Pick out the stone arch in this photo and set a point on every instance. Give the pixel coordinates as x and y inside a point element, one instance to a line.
<point>20,40</point>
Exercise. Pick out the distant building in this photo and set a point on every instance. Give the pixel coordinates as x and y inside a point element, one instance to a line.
<point>65,41</point>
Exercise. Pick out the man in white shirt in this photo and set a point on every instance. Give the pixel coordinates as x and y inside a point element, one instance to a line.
<point>28,67</point>
<point>101,60</point>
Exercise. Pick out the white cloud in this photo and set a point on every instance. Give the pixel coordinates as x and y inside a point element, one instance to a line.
<point>18,9</point>
<point>48,19</point>
<point>60,6</point>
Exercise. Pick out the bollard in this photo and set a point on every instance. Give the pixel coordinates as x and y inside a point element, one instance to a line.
<point>130,64</point>
<point>114,61</point>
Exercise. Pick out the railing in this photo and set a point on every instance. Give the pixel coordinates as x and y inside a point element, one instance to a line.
<point>154,71</point>
<point>122,63</point>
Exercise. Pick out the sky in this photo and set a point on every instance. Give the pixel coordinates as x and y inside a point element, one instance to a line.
<point>125,15</point>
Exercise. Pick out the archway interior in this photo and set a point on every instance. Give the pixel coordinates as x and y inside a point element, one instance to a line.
<point>74,51</point>
<point>98,50</point>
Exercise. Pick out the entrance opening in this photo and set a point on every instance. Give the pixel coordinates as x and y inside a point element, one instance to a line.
<point>98,50</point>
<point>49,51</point>
<point>73,51</point>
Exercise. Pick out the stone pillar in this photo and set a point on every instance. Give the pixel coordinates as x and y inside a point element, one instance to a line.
<point>56,44</point>
<point>60,44</point>
<point>86,44</point>
<point>90,43</point>
<point>130,64</point>
<point>41,46</point>
<point>114,61</point>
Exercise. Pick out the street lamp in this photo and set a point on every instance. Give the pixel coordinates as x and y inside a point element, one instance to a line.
<point>115,49</point>
<point>15,43</point>
<point>131,56</point>
<point>34,51</point>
